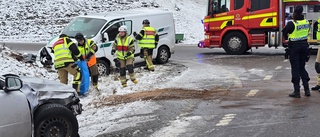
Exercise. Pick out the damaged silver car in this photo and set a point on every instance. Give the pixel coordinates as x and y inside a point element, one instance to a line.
<point>39,107</point>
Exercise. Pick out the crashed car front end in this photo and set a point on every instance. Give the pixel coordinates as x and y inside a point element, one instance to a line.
<point>42,91</point>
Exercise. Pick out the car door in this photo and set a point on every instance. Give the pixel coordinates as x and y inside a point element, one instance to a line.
<point>14,113</point>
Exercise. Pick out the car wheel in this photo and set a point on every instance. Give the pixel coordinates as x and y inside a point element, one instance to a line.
<point>103,67</point>
<point>55,120</point>
<point>163,55</point>
<point>235,43</point>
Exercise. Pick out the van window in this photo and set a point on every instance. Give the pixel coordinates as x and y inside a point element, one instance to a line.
<point>113,29</point>
<point>225,5</point>
<point>259,4</point>
<point>89,27</point>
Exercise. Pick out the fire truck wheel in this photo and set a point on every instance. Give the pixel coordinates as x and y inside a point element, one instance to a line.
<point>235,43</point>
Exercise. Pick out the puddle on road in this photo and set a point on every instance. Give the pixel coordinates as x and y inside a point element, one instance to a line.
<point>159,94</point>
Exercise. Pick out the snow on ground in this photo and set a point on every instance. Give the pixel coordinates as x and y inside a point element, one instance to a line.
<point>38,21</point>
<point>96,121</point>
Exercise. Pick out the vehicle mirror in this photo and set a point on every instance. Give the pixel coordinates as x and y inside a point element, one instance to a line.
<point>12,84</point>
<point>105,37</point>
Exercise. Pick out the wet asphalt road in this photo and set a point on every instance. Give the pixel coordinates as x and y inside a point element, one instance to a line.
<point>254,102</point>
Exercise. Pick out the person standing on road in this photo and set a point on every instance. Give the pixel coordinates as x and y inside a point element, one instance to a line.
<point>88,48</point>
<point>65,54</point>
<point>124,49</point>
<point>317,63</point>
<point>148,40</point>
<point>296,34</point>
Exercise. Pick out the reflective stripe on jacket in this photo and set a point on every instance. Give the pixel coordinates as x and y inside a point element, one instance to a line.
<point>123,47</point>
<point>86,49</point>
<point>148,40</point>
<point>62,53</point>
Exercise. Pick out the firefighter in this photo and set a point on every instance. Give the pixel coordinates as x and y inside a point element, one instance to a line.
<point>88,48</point>
<point>296,34</point>
<point>317,63</point>
<point>65,54</point>
<point>124,49</point>
<point>148,40</point>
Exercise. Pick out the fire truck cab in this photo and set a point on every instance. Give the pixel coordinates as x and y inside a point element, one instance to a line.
<point>239,25</point>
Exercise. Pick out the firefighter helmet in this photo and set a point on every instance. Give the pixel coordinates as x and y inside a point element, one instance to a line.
<point>123,28</point>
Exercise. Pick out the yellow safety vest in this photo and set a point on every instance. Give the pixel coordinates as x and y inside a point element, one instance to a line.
<point>301,30</point>
<point>62,53</point>
<point>123,48</point>
<point>86,49</point>
<point>148,40</point>
<point>318,32</point>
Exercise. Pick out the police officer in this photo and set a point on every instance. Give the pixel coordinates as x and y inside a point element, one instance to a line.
<point>317,63</point>
<point>296,34</point>
<point>88,48</point>
<point>124,49</point>
<point>148,40</point>
<point>65,54</point>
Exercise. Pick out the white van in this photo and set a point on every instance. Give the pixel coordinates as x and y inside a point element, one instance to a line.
<point>103,28</point>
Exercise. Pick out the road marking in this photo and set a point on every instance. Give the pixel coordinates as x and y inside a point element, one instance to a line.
<point>226,120</point>
<point>268,77</point>
<point>286,60</point>
<point>279,67</point>
<point>252,93</point>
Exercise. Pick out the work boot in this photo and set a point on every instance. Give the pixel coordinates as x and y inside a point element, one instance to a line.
<point>295,94</point>
<point>307,93</point>
<point>95,86</point>
<point>315,87</point>
<point>306,90</point>
<point>135,81</point>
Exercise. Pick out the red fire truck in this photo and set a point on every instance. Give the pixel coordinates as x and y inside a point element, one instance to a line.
<point>240,25</point>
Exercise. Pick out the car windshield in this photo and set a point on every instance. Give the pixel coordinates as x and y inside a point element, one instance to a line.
<point>89,27</point>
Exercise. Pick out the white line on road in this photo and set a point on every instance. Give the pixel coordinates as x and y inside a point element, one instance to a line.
<point>286,60</point>
<point>279,67</point>
<point>268,77</point>
<point>226,119</point>
<point>252,93</point>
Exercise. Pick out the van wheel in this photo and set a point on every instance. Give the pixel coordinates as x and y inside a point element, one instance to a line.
<point>55,120</point>
<point>163,55</point>
<point>103,67</point>
<point>235,43</point>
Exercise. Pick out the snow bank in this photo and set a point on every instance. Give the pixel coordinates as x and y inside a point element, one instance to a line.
<point>38,21</point>
<point>9,64</point>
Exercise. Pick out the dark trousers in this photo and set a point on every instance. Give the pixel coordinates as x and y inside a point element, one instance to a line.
<point>298,56</point>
